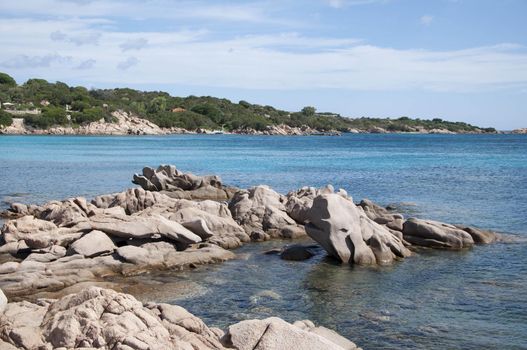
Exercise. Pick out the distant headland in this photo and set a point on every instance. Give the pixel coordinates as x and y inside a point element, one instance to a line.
<point>40,107</point>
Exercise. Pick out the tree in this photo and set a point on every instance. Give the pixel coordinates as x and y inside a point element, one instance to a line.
<point>7,80</point>
<point>158,104</point>
<point>308,110</point>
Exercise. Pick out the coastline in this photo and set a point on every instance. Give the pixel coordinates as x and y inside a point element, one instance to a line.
<point>129,124</point>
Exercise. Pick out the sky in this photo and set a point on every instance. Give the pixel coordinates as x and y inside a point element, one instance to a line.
<point>460,60</point>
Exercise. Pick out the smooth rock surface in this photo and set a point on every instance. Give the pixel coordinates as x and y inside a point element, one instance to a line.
<point>348,235</point>
<point>92,244</point>
<point>436,234</point>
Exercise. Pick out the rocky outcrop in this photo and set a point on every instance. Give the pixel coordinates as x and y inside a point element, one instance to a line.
<point>283,130</point>
<point>382,216</point>
<point>299,202</point>
<point>64,243</point>
<point>74,241</point>
<point>274,333</point>
<point>105,319</point>
<point>436,234</point>
<point>348,235</point>
<point>180,185</point>
<point>261,208</point>
<point>519,131</point>
<point>132,200</point>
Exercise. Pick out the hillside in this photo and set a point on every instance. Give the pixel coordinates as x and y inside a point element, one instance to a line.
<point>43,105</point>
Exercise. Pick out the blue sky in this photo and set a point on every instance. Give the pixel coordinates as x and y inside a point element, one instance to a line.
<point>452,59</point>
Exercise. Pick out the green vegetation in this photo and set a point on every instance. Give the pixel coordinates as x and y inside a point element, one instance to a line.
<point>7,80</point>
<point>65,105</point>
<point>5,119</point>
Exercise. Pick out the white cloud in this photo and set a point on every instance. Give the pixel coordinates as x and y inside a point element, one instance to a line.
<point>25,61</point>
<point>271,61</point>
<point>134,44</point>
<point>128,63</point>
<point>90,38</point>
<point>426,20</point>
<point>88,64</point>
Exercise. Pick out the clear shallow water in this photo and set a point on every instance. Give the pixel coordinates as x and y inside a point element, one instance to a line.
<point>467,300</point>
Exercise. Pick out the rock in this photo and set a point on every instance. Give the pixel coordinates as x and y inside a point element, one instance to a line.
<point>382,216</point>
<point>67,213</point>
<point>276,334</point>
<point>9,267</point>
<point>181,185</point>
<point>435,234</point>
<point>324,332</point>
<point>259,236</point>
<point>521,131</point>
<point>3,301</point>
<point>37,233</point>
<point>479,236</point>
<point>105,319</point>
<point>47,254</point>
<point>30,277</point>
<point>297,252</point>
<point>347,234</point>
<point>132,200</point>
<point>222,230</point>
<point>136,255</point>
<point>261,208</point>
<point>300,201</point>
<point>92,244</point>
<point>136,227</point>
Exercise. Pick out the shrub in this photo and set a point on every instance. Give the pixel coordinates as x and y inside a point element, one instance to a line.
<point>5,118</point>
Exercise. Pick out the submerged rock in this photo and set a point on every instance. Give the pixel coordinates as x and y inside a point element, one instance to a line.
<point>297,252</point>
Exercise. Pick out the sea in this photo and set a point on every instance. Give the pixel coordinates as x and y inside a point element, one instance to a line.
<point>471,299</point>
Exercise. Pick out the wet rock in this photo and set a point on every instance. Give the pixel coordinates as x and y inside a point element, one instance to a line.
<point>259,236</point>
<point>479,236</point>
<point>436,234</point>
<point>297,252</point>
<point>347,234</point>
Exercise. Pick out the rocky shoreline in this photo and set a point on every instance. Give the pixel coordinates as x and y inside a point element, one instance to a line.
<point>173,221</point>
<point>129,124</point>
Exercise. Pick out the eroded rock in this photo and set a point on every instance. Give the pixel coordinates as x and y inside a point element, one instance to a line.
<point>347,234</point>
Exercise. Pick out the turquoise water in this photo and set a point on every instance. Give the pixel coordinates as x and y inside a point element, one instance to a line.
<point>471,300</point>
